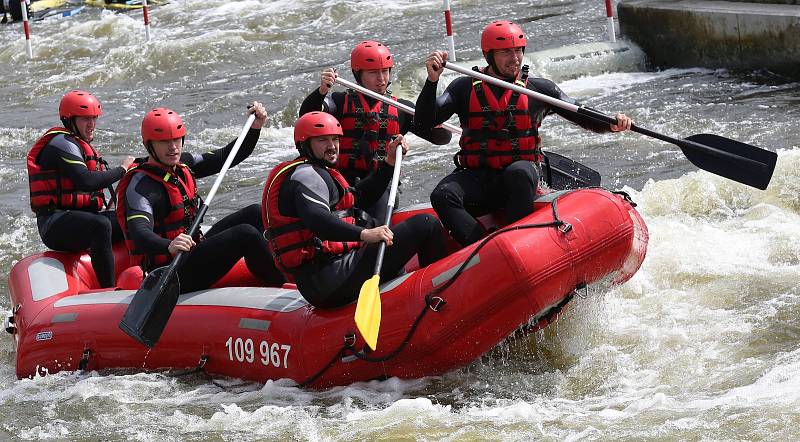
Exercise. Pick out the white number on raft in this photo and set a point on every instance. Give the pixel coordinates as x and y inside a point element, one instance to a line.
<point>242,350</point>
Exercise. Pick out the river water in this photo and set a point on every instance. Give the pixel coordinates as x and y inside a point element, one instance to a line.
<point>703,342</point>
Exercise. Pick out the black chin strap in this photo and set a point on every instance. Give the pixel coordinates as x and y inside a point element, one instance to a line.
<point>489,56</point>
<point>304,148</point>
<point>357,76</point>
<point>152,152</point>
<point>69,124</point>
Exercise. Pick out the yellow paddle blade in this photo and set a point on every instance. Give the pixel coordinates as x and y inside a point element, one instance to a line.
<point>368,311</point>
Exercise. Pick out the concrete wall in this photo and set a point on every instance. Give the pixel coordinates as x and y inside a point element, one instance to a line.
<point>783,2</point>
<point>715,34</point>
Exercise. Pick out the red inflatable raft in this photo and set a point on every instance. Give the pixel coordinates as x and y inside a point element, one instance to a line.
<point>435,319</point>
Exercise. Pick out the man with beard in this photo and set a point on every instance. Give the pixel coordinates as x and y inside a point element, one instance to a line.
<point>308,214</point>
<point>498,165</point>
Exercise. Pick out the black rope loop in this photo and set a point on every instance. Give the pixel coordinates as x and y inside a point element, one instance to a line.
<point>432,301</point>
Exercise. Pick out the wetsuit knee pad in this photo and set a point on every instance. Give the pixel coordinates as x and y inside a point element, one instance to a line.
<point>520,172</point>
<point>424,222</point>
<point>444,195</point>
<point>104,226</point>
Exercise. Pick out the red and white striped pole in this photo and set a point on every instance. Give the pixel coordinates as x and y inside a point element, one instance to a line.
<point>146,20</point>
<point>24,5</point>
<point>610,21</point>
<point>448,21</point>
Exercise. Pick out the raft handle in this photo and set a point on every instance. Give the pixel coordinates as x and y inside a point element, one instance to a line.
<point>350,339</point>
<point>84,362</point>
<point>9,324</point>
<point>565,227</point>
<point>436,303</point>
<point>581,286</point>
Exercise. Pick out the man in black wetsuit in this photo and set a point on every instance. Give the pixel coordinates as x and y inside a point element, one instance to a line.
<point>312,234</point>
<point>368,125</point>
<point>67,180</point>
<point>159,201</point>
<point>498,164</point>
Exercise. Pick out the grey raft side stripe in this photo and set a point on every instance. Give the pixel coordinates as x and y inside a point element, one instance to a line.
<point>447,274</point>
<point>254,324</point>
<point>390,285</point>
<point>550,197</point>
<point>64,317</point>
<point>259,298</point>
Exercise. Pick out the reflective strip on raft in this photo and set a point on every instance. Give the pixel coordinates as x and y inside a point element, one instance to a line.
<point>447,274</point>
<point>260,298</point>
<point>254,324</point>
<point>550,197</point>
<point>391,285</point>
<point>47,277</point>
<point>64,317</point>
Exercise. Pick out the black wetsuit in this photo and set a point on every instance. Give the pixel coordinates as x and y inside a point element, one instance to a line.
<point>467,193</point>
<point>75,230</point>
<point>333,281</point>
<point>333,103</point>
<point>216,253</point>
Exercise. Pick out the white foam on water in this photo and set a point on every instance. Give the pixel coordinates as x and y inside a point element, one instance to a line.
<point>605,84</point>
<point>700,344</point>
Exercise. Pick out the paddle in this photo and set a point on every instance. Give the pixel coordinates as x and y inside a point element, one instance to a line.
<point>151,307</point>
<point>562,173</point>
<point>719,155</point>
<point>368,308</point>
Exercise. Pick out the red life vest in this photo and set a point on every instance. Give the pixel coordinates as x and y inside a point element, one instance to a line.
<point>50,190</point>
<point>290,241</point>
<point>181,190</point>
<point>499,131</point>
<point>367,131</point>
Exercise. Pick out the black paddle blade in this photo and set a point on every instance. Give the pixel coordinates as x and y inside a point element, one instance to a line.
<point>731,159</point>
<point>562,173</point>
<point>151,306</point>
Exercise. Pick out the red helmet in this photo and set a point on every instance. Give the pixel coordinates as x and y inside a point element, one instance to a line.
<point>162,124</point>
<point>370,55</point>
<point>502,34</point>
<point>316,124</point>
<point>79,104</point>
